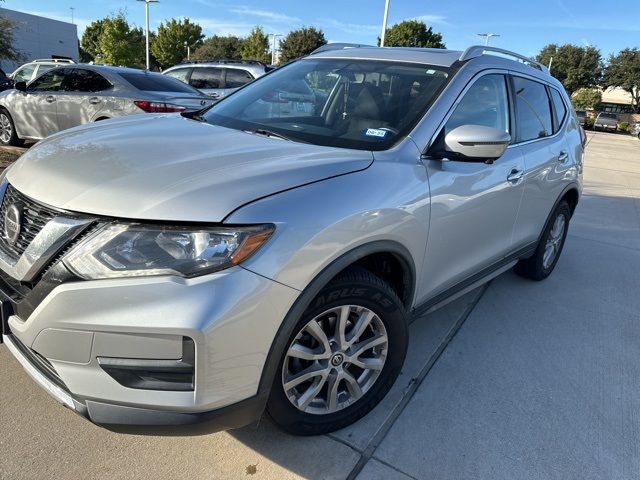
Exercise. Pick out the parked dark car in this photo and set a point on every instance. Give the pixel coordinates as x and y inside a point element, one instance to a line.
<point>5,82</point>
<point>582,116</point>
<point>606,121</point>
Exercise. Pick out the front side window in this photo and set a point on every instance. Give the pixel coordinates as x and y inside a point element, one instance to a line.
<point>237,78</point>
<point>52,81</point>
<point>349,103</point>
<point>81,80</point>
<point>180,73</point>
<point>559,107</point>
<point>206,77</point>
<point>24,74</point>
<point>486,103</point>
<point>533,112</point>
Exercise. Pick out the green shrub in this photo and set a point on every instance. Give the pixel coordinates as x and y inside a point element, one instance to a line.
<point>589,121</point>
<point>623,126</point>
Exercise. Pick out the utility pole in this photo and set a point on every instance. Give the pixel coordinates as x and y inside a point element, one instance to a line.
<point>487,37</point>
<point>384,22</point>
<point>273,48</point>
<point>72,9</point>
<point>146,13</point>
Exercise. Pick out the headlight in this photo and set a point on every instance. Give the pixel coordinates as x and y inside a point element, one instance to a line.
<point>133,250</point>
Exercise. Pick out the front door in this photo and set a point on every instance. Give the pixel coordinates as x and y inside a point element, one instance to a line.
<point>38,107</point>
<point>474,205</point>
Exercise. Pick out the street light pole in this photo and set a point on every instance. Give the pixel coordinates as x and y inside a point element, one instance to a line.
<point>384,22</point>
<point>72,9</point>
<point>146,14</point>
<point>273,48</point>
<point>487,37</point>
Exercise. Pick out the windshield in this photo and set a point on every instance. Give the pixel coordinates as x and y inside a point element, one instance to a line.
<point>361,104</point>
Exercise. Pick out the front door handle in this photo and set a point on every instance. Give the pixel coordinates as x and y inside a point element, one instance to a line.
<point>514,176</point>
<point>50,99</point>
<point>563,156</point>
<point>94,100</point>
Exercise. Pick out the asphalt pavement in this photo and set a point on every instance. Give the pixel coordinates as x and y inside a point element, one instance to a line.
<point>516,380</point>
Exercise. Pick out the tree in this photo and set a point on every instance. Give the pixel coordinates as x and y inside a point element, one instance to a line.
<point>576,67</point>
<point>172,39</point>
<point>90,41</point>
<point>623,71</point>
<point>412,33</point>
<point>256,46</point>
<point>119,43</point>
<point>585,98</point>
<point>220,47</point>
<point>7,50</point>
<point>301,42</point>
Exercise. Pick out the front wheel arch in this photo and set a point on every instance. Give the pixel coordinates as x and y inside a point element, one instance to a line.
<point>279,343</point>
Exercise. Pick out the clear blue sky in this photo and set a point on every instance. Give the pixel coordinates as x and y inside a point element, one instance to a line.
<point>524,26</point>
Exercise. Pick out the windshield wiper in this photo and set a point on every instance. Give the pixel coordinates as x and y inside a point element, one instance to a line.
<point>269,133</point>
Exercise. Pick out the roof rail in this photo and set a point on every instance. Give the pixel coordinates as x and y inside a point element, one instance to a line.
<point>337,46</point>
<point>54,60</point>
<point>479,50</point>
<point>225,61</point>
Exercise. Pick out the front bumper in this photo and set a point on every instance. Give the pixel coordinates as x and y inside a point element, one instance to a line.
<point>231,316</point>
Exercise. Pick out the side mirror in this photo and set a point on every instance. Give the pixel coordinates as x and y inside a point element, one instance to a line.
<point>477,143</point>
<point>21,86</point>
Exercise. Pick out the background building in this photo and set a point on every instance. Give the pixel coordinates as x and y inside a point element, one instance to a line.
<point>40,37</point>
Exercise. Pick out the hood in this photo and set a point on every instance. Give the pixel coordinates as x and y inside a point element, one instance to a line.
<point>166,167</point>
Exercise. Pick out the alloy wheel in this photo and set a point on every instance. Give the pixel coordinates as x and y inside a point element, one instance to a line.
<point>6,130</point>
<point>554,241</point>
<point>335,359</point>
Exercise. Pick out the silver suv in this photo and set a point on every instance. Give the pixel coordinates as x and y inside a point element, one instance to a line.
<point>175,268</point>
<point>218,78</point>
<point>31,70</point>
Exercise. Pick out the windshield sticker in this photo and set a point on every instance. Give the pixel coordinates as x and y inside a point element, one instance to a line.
<point>375,132</point>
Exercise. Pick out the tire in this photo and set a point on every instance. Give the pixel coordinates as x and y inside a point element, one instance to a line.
<point>540,266</point>
<point>8,135</point>
<point>365,301</point>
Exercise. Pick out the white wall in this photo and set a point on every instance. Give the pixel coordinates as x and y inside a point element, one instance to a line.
<point>40,37</point>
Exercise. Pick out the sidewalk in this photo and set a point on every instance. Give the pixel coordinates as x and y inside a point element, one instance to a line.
<point>516,380</point>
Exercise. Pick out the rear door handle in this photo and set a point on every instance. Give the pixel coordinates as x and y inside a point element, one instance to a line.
<point>50,99</point>
<point>94,100</point>
<point>563,156</point>
<point>515,175</point>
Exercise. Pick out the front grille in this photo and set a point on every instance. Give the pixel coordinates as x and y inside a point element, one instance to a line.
<point>34,217</point>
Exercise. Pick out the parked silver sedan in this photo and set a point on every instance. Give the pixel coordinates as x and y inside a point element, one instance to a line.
<point>77,94</point>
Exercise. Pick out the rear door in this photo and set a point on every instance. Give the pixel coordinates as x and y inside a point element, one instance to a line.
<point>36,111</point>
<point>541,135</point>
<point>87,93</point>
<point>209,80</point>
<point>474,205</point>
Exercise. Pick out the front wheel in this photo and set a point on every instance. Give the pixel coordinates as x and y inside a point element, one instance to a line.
<point>343,356</point>
<point>8,134</point>
<point>544,260</point>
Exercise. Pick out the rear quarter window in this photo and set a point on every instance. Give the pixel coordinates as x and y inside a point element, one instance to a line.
<point>559,108</point>
<point>157,83</point>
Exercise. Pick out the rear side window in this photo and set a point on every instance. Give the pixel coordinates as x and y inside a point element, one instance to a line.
<point>485,103</point>
<point>82,80</point>
<point>237,78</point>
<point>559,107</point>
<point>533,112</point>
<point>179,73</point>
<point>156,83</point>
<point>206,77</point>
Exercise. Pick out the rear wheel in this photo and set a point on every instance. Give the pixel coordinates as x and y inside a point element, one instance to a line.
<point>8,135</point>
<point>343,356</point>
<point>544,260</point>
